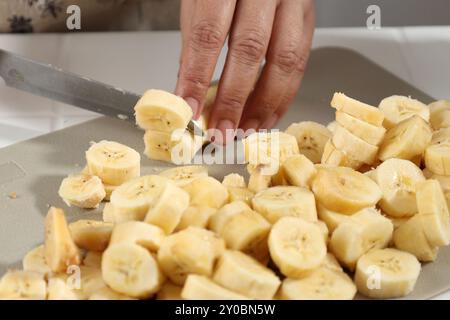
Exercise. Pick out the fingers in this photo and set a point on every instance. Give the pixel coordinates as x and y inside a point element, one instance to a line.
<point>205,24</point>
<point>249,39</point>
<point>286,62</point>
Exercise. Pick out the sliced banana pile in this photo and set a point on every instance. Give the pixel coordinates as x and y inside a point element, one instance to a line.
<point>326,213</point>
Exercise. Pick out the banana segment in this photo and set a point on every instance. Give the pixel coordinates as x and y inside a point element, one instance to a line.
<point>332,156</point>
<point>368,132</point>
<point>355,147</point>
<point>207,191</point>
<point>169,291</point>
<point>202,288</point>
<point>311,138</point>
<point>19,285</point>
<point>397,179</point>
<point>440,114</point>
<point>399,108</point>
<point>240,194</point>
<point>386,273</point>
<point>112,162</point>
<point>277,202</point>
<point>34,260</point>
<point>90,234</point>
<point>84,191</point>
<point>60,249</point>
<point>299,171</point>
<point>296,246</point>
<point>234,180</point>
<point>242,274</point>
<point>131,270</point>
<point>146,235</point>
<point>195,216</point>
<point>58,288</point>
<point>258,179</point>
<point>192,250</point>
<point>162,111</point>
<point>357,109</point>
<point>182,176</point>
<point>345,190</point>
<point>437,154</point>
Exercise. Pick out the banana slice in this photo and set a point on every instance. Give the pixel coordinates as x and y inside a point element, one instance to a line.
<point>296,246</point>
<point>243,274</point>
<point>433,211</point>
<point>93,259</point>
<point>182,176</point>
<point>240,194</point>
<point>202,288</point>
<point>146,235</point>
<point>91,281</point>
<point>59,289</point>
<point>132,200</point>
<point>437,154</point>
<point>299,171</point>
<point>195,216</point>
<point>386,273</point>
<point>331,263</point>
<point>399,108</point>
<point>131,270</point>
<point>324,229</point>
<point>345,190</point>
<point>108,214</point>
<point>192,250</point>
<point>90,234</point>
<point>169,291</point>
<point>406,140</point>
<point>34,260</point>
<point>365,231</point>
<point>357,109</point>
<point>331,218</point>
<point>258,179</point>
<point>108,294</point>
<point>277,202</point>
<point>207,191</point>
<point>368,132</point>
<point>440,114</point>
<point>234,180</point>
<point>84,191</point>
<point>112,162</point>
<point>353,146</point>
<point>331,126</point>
<point>223,215</point>
<point>23,285</point>
<point>166,212</point>
<point>334,157</point>
<point>410,237</point>
<point>60,249</point>
<point>162,111</point>
<point>397,179</point>
<point>444,181</point>
<point>321,284</point>
<point>311,138</point>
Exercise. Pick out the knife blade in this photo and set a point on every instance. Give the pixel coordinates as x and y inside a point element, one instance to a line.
<point>56,84</point>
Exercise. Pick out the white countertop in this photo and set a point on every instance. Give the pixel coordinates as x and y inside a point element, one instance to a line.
<point>140,60</point>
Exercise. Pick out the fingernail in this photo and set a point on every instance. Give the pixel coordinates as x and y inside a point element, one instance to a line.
<point>227,131</point>
<point>193,103</point>
<point>271,121</point>
<point>250,124</point>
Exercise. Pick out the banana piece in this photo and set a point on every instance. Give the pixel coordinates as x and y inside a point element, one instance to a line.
<point>182,176</point>
<point>242,274</point>
<point>93,259</point>
<point>112,162</point>
<point>299,171</point>
<point>331,263</point>
<point>437,154</point>
<point>109,188</point>
<point>331,126</point>
<point>108,214</point>
<point>277,202</point>
<point>410,237</point>
<point>132,200</point>
<point>406,140</point>
<point>59,289</point>
<point>195,216</point>
<point>399,108</point>
<point>433,212</point>
<point>199,287</point>
<point>368,132</point>
<point>169,291</point>
<point>386,273</point>
<point>345,190</point>
<point>279,179</point>
<point>240,194</point>
<point>23,285</point>
<point>234,180</point>
<point>91,281</point>
<point>90,234</point>
<point>444,181</point>
<point>324,229</point>
<point>136,232</point>
<point>166,212</point>
<point>397,222</point>
<point>108,294</point>
<point>321,284</point>
<point>357,109</point>
<point>355,147</point>
<point>397,179</point>
<point>334,157</point>
<point>59,248</point>
<point>131,270</point>
<point>331,218</point>
<point>366,231</point>
<point>258,179</point>
<point>440,114</point>
<point>192,250</point>
<point>84,191</point>
<point>207,191</point>
<point>162,111</point>
<point>219,220</point>
<point>296,246</point>
<point>311,138</point>
<point>34,260</point>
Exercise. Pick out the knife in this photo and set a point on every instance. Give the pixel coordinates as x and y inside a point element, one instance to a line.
<point>53,83</point>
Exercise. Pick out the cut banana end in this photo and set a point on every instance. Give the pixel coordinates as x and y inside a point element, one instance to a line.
<point>296,246</point>
<point>195,216</point>
<point>368,132</point>
<point>333,157</point>
<point>243,274</point>
<point>90,234</point>
<point>299,171</point>
<point>311,138</point>
<point>386,273</point>
<point>398,108</point>
<point>84,191</point>
<point>20,285</point>
<point>355,147</point>
<point>162,111</point>
<point>169,291</point>
<point>112,162</point>
<point>357,109</point>
<point>34,260</point>
<point>440,114</point>
<point>182,176</point>
<point>131,270</point>
<point>437,154</point>
<point>136,232</point>
<point>207,191</point>
<point>202,288</point>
